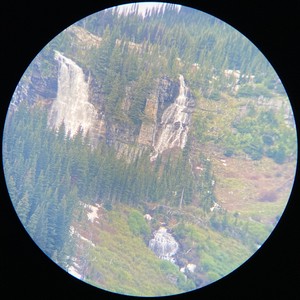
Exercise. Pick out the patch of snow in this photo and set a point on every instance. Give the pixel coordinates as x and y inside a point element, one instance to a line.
<point>196,66</point>
<point>215,206</point>
<point>191,267</point>
<point>233,73</point>
<point>74,272</point>
<point>93,211</point>
<point>71,230</point>
<point>148,217</point>
<point>78,235</point>
<point>74,268</point>
<point>85,239</point>
<point>93,214</point>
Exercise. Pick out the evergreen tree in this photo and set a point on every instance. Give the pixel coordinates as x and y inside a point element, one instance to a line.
<point>23,208</point>
<point>100,57</point>
<point>13,191</point>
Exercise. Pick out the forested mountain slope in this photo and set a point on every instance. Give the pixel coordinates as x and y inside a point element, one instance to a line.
<point>129,132</point>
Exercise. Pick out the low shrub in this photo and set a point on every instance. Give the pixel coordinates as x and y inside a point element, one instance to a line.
<point>138,224</point>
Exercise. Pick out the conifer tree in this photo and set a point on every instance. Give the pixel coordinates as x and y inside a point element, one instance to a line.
<point>101,56</point>
<point>23,208</point>
<point>33,222</point>
<point>13,191</point>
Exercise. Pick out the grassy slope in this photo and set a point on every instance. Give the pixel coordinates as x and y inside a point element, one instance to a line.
<point>215,254</point>
<point>121,261</point>
<point>254,193</point>
<point>258,189</point>
<point>255,189</point>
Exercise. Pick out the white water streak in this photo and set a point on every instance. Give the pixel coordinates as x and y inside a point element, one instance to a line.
<point>174,123</point>
<point>71,105</point>
<point>164,245</point>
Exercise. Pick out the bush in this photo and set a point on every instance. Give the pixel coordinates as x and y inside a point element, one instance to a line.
<point>228,152</point>
<point>180,231</point>
<point>171,271</point>
<point>254,151</point>
<point>254,91</point>
<point>215,95</point>
<point>108,206</point>
<point>278,155</point>
<point>245,91</point>
<point>268,140</point>
<point>184,283</point>
<point>208,262</point>
<point>168,268</point>
<point>138,224</point>
<point>212,276</point>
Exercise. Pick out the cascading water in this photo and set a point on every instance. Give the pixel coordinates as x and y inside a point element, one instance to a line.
<point>71,105</point>
<point>174,123</point>
<point>164,245</point>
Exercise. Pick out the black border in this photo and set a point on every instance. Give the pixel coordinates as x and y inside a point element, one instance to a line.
<point>273,272</point>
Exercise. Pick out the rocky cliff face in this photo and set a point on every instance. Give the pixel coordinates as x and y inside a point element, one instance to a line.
<point>76,98</point>
<point>163,96</point>
<point>72,95</point>
<point>128,138</point>
<point>72,105</point>
<point>38,84</point>
<point>174,123</point>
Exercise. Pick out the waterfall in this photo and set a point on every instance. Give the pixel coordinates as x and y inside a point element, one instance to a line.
<point>164,245</point>
<point>71,105</point>
<point>174,123</point>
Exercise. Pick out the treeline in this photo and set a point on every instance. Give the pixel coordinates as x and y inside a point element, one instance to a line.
<point>189,34</point>
<point>48,173</point>
<point>40,188</point>
<point>135,51</point>
<point>123,72</point>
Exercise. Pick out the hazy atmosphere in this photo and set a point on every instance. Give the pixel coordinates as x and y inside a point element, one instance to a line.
<point>149,149</point>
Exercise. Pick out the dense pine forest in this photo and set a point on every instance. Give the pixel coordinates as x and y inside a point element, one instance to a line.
<point>135,68</point>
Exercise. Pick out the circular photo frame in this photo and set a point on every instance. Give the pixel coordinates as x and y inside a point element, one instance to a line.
<point>149,149</point>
